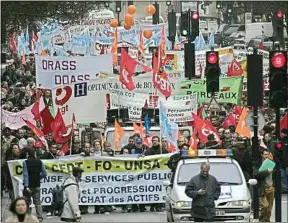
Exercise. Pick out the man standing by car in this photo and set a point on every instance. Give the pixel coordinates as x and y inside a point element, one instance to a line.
<point>204,189</point>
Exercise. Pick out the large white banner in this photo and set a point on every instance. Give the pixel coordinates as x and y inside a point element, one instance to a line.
<point>15,120</point>
<point>81,100</point>
<point>105,181</point>
<point>52,71</point>
<point>87,100</point>
<point>179,107</point>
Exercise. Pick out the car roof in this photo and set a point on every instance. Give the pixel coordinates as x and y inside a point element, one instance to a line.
<point>210,160</point>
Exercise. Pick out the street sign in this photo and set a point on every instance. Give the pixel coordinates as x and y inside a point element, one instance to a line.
<point>249,121</point>
<point>214,106</point>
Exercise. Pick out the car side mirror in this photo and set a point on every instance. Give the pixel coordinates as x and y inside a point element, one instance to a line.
<point>167,183</point>
<point>252,182</point>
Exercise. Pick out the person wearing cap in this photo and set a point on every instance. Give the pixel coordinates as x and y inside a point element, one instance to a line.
<point>139,147</point>
<point>71,211</point>
<point>284,163</point>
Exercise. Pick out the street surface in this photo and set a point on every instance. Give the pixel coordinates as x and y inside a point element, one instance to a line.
<point>117,216</point>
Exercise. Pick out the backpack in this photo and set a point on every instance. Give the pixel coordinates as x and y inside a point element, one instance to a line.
<point>57,197</point>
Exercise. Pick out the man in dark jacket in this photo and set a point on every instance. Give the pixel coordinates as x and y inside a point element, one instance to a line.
<point>33,171</point>
<point>155,150</point>
<point>204,189</point>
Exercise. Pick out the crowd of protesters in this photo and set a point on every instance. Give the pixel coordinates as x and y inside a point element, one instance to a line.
<point>18,91</point>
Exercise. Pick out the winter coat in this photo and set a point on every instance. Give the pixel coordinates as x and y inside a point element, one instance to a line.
<point>71,195</point>
<point>155,150</point>
<point>203,206</point>
<point>28,218</point>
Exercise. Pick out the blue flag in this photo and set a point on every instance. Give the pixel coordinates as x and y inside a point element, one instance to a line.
<point>147,125</point>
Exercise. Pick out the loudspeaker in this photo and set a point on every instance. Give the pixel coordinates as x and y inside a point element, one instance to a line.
<point>118,114</point>
<point>154,117</point>
<point>255,80</point>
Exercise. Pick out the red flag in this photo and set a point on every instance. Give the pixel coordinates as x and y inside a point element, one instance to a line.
<point>47,120</point>
<point>201,112</point>
<point>193,141</point>
<point>160,79</point>
<point>284,122</point>
<point>237,111</point>
<point>236,69</point>
<point>127,68</point>
<point>64,150</point>
<point>145,68</point>
<point>209,124</point>
<point>261,46</point>
<point>229,72</point>
<point>60,133</point>
<point>37,132</point>
<point>102,50</point>
<point>229,121</point>
<point>34,37</point>
<point>36,107</point>
<point>203,130</point>
<point>141,43</point>
<point>12,43</point>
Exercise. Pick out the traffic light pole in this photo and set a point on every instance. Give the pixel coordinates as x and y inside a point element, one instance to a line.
<point>278,189</point>
<point>255,156</point>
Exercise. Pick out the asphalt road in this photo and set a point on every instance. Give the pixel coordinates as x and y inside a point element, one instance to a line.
<point>117,216</point>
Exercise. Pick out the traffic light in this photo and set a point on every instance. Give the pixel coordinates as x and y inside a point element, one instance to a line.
<point>279,21</point>
<point>118,6</point>
<point>254,80</point>
<point>212,71</point>
<point>195,25</point>
<point>278,79</point>
<point>218,4</point>
<point>155,18</point>
<point>229,7</point>
<point>189,59</point>
<point>172,23</point>
<point>185,24</point>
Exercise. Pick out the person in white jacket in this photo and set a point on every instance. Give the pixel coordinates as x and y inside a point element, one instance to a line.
<point>71,211</point>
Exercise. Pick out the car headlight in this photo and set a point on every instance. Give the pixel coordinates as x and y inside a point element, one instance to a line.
<point>238,203</point>
<point>183,204</point>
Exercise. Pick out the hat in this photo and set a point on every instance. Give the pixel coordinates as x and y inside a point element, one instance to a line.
<point>138,140</point>
<point>77,170</point>
<point>284,131</point>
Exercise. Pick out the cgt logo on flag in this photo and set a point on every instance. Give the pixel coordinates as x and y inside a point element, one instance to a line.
<point>63,95</point>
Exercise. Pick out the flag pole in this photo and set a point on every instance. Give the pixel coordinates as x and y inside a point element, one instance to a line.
<point>71,140</point>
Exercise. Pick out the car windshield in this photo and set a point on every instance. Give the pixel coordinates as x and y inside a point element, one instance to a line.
<point>124,139</point>
<point>221,28</point>
<point>225,173</point>
<point>231,30</point>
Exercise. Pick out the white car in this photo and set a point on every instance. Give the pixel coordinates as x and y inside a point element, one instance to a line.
<point>234,203</point>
